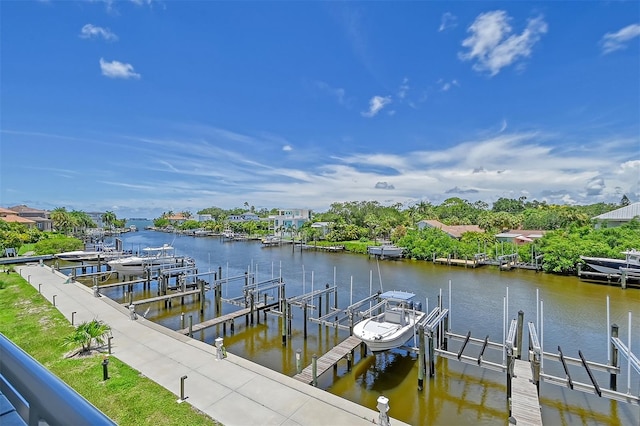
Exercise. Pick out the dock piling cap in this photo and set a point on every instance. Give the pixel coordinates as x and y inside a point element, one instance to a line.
<point>383,404</point>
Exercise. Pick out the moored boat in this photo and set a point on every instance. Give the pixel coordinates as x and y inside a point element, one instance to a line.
<point>154,259</point>
<point>393,327</point>
<point>385,251</point>
<point>607,265</point>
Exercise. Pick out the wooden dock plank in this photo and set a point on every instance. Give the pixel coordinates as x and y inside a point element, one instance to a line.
<point>328,360</point>
<point>165,297</point>
<point>227,317</point>
<point>525,406</point>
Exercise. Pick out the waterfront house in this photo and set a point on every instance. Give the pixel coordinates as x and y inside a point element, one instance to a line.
<point>244,217</point>
<point>288,219</point>
<point>10,216</point>
<point>454,231</point>
<point>618,217</point>
<point>176,219</point>
<point>520,236</point>
<point>323,227</point>
<point>41,218</point>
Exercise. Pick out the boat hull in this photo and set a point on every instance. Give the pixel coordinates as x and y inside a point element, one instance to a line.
<point>138,265</point>
<point>380,335</point>
<point>608,266</point>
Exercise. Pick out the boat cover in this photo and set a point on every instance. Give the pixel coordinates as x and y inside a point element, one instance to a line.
<point>398,295</point>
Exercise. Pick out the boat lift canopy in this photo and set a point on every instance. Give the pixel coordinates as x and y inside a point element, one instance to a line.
<point>402,296</point>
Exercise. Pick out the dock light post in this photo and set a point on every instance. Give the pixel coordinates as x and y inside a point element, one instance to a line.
<point>383,407</point>
<point>54,299</point>
<point>219,342</point>
<point>182,398</point>
<point>109,343</point>
<point>29,279</point>
<point>105,368</point>
<point>73,317</point>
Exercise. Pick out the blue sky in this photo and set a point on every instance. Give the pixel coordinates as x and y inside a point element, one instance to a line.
<point>141,107</point>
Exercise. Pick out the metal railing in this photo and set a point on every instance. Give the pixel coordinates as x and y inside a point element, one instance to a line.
<point>38,395</point>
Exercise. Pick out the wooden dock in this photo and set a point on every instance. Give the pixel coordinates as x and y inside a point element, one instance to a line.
<point>525,406</point>
<point>457,262</point>
<point>227,317</point>
<point>330,359</point>
<point>165,297</point>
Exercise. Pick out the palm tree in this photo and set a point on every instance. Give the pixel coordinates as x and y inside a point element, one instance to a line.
<point>109,218</point>
<point>88,332</point>
<point>62,220</point>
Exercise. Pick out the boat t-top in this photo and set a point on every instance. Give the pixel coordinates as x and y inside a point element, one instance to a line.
<point>393,327</point>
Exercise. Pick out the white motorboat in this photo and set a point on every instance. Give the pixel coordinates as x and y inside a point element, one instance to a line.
<point>393,327</point>
<point>100,252</point>
<point>153,259</point>
<point>607,265</point>
<point>385,251</point>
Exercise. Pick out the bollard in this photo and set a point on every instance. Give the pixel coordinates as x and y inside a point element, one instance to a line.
<point>41,263</point>
<point>54,299</point>
<point>219,348</point>
<point>109,343</point>
<point>29,279</point>
<point>299,361</point>
<point>182,397</point>
<point>73,317</point>
<point>96,290</point>
<point>105,368</point>
<point>39,288</point>
<point>383,407</point>
<point>190,325</point>
<point>132,312</point>
<point>182,321</point>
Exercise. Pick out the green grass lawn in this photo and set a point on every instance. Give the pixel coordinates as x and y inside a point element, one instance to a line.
<point>127,397</point>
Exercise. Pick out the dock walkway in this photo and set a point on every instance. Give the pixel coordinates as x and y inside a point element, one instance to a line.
<point>525,406</point>
<point>226,317</point>
<point>330,359</point>
<point>234,391</point>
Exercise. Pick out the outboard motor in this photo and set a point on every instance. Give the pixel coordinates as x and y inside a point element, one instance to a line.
<point>417,306</point>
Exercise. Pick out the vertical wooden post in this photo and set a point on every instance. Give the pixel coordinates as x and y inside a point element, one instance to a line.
<point>519,334</point>
<point>253,305</point>
<point>284,323</point>
<point>326,300</point>
<point>304,318</point>
<point>613,378</point>
<point>201,283</point>
<point>445,339</point>
<point>289,318</point>
<point>314,370</point>
<point>510,362</point>
<point>320,305</point>
<point>432,366</point>
<point>421,357</point>
<point>190,325</point>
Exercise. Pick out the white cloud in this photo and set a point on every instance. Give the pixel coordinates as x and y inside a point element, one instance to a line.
<point>448,20</point>
<point>493,46</point>
<point>287,148</point>
<point>115,69</point>
<point>91,31</point>
<point>338,93</point>
<point>611,42</point>
<point>376,104</point>
<point>404,88</point>
<point>446,85</point>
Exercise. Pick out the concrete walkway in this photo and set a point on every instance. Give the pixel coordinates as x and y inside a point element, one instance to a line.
<point>233,391</point>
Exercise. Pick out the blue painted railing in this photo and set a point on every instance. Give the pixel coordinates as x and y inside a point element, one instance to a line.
<point>38,395</point>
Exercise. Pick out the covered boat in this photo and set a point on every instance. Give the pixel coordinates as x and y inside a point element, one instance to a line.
<point>393,327</point>
<point>607,265</point>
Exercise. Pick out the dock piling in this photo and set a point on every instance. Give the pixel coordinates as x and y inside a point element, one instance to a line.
<point>613,378</point>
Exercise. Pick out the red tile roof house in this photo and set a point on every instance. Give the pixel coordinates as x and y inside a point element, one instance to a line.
<point>40,217</point>
<point>454,231</point>
<point>10,216</point>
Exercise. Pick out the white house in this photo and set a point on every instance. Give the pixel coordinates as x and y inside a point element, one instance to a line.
<point>244,217</point>
<point>286,219</point>
<point>619,216</point>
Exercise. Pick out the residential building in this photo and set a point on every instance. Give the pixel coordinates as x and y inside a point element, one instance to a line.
<point>176,219</point>
<point>10,216</point>
<point>41,218</point>
<point>244,217</point>
<point>96,217</point>
<point>204,217</point>
<point>287,219</point>
<point>618,217</point>
<point>454,231</point>
<point>323,226</point>
<point>520,236</point>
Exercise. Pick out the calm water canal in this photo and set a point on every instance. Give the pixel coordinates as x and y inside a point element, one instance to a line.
<point>574,318</point>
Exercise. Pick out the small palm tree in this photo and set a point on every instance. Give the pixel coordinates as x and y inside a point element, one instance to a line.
<point>86,333</point>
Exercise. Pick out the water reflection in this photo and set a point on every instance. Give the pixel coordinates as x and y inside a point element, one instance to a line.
<point>574,317</point>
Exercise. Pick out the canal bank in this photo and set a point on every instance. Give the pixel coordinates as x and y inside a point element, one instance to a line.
<point>232,390</point>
